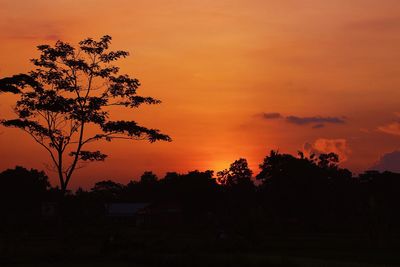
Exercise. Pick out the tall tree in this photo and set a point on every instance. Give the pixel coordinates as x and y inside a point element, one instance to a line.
<point>70,90</point>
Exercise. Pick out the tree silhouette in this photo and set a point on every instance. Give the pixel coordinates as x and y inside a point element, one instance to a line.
<point>20,183</point>
<point>237,174</point>
<point>237,200</point>
<point>69,92</point>
<point>22,190</point>
<point>148,177</point>
<point>305,188</point>
<point>108,190</point>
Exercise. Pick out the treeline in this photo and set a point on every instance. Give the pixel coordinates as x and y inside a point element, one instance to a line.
<point>291,193</point>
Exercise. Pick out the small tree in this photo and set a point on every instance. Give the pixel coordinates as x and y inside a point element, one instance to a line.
<point>23,185</point>
<point>149,178</point>
<point>237,174</point>
<point>70,90</point>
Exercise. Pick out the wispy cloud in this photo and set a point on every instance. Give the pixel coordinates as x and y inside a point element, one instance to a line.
<point>377,24</point>
<point>318,126</point>
<point>29,29</point>
<point>310,120</point>
<point>391,128</point>
<point>317,121</point>
<point>271,115</point>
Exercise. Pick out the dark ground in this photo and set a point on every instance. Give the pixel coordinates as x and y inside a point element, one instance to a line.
<point>127,245</point>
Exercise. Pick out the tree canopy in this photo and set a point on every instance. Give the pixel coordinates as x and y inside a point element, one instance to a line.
<point>237,174</point>
<point>71,89</point>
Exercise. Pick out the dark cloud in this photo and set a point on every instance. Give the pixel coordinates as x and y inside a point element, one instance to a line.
<point>388,162</point>
<point>272,115</point>
<point>310,120</point>
<point>319,126</point>
<point>317,121</point>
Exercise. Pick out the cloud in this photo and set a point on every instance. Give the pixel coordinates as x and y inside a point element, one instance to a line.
<point>323,145</point>
<point>309,120</point>
<point>391,128</point>
<point>319,126</point>
<point>317,121</point>
<point>28,29</point>
<point>272,115</point>
<point>46,37</point>
<point>378,24</point>
<point>388,162</point>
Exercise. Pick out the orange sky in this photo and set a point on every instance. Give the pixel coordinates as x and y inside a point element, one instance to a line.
<point>220,68</point>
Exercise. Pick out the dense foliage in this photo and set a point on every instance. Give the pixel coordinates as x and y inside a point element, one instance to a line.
<point>290,193</point>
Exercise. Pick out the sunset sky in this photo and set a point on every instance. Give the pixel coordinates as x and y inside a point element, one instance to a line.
<point>237,78</point>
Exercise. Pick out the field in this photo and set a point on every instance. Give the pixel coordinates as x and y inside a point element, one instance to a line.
<point>116,245</point>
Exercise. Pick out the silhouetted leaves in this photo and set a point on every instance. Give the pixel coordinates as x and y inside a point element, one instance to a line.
<point>16,83</point>
<point>148,177</point>
<point>237,174</point>
<point>90,156</point>
<point>131,129</point>
<point>71,88</point>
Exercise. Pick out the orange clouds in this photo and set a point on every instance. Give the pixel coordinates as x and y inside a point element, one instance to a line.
<point>322,145</point>
<point>392,128</point>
